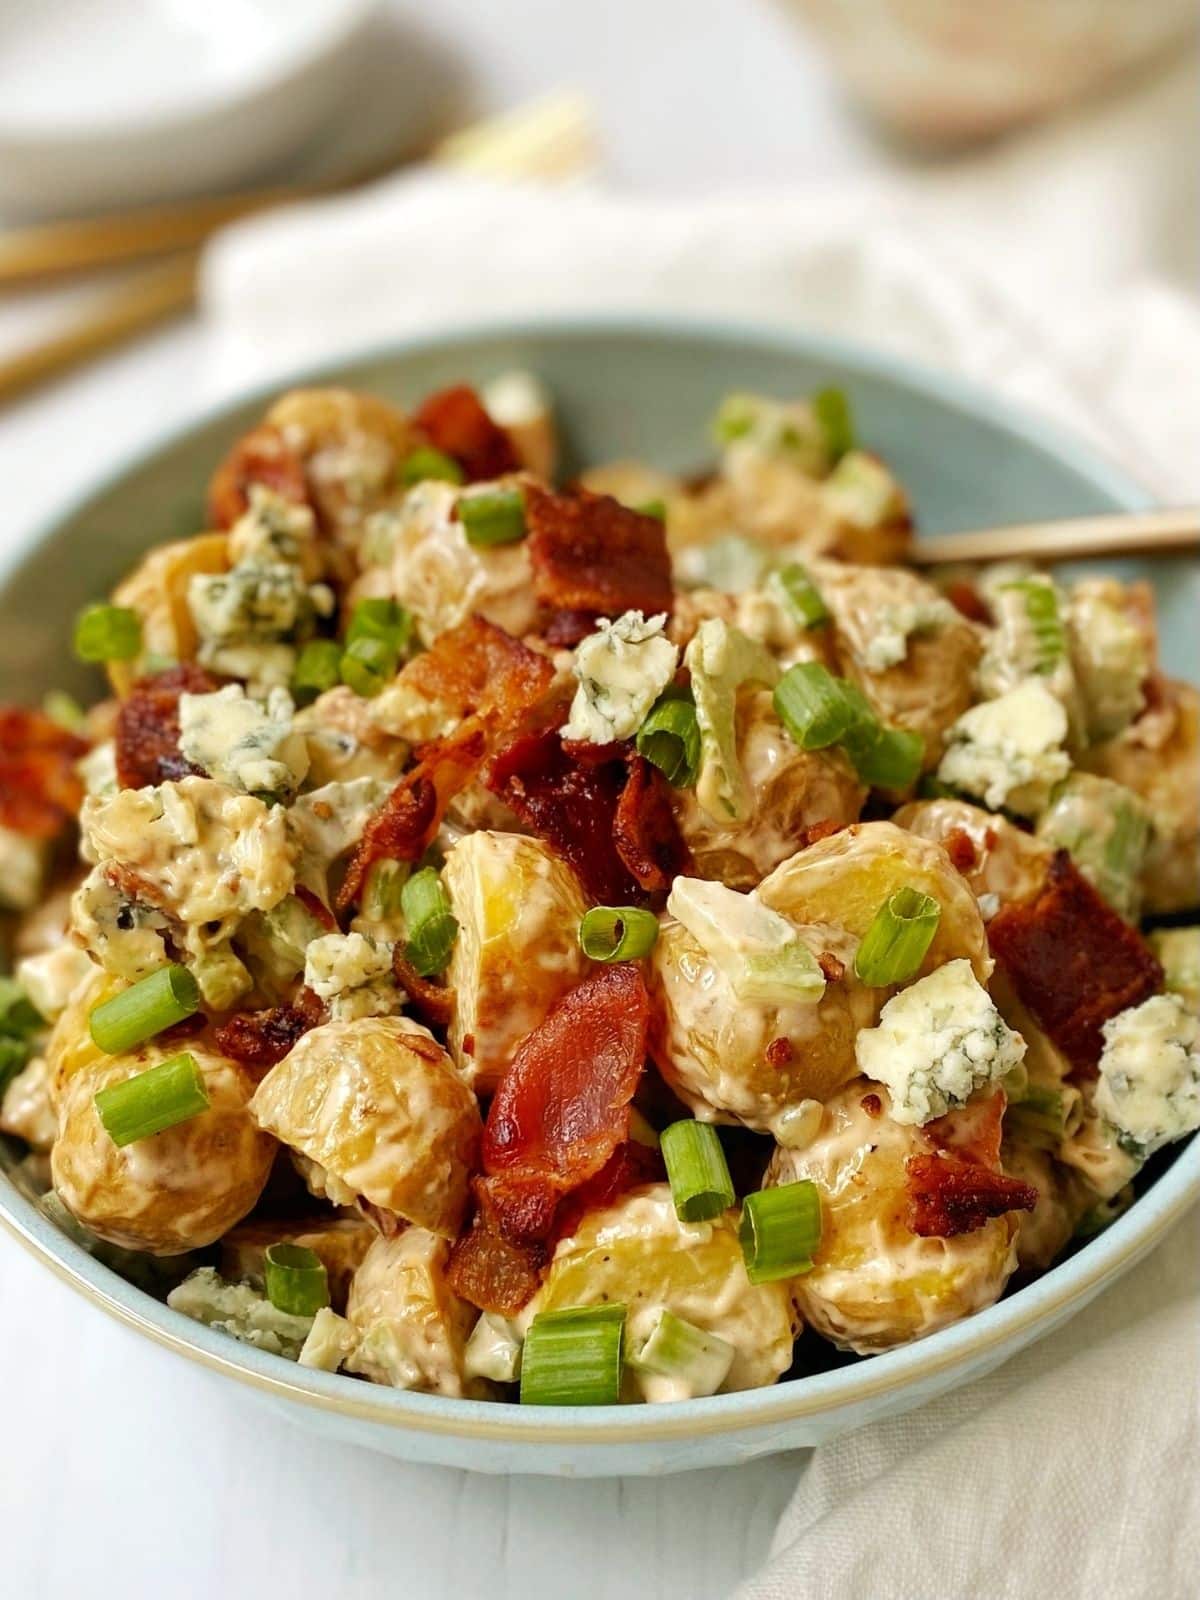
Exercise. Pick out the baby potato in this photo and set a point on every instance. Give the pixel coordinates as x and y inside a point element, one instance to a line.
<point>412,1328</point>
<point>907,649</point>
<point>519,908</point>
<point>1158,757</point>
<point>70,1048</point>
<point>756,1063</point>
<point>341,1243</point>
<point>157,590</point>
<point>637,1253</point>
<point>1004,861</point>
<point>175,1191</point>
<point>792,790</point>
<point>844,879</point>
<point>376,1103</point>
<point>1063,1197</point>
<point>875,1283</point>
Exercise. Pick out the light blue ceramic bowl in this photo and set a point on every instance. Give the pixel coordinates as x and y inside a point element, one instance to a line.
<point>625,389</point>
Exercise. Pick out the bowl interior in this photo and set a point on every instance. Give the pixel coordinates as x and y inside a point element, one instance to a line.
<point>623,390</point>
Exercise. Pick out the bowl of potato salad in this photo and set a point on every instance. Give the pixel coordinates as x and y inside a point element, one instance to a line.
<point>535,938</point>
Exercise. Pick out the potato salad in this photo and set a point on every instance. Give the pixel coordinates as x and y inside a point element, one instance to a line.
<point>573,938</point>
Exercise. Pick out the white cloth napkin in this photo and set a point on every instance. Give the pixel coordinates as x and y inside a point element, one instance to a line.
<point>1071,1471</point>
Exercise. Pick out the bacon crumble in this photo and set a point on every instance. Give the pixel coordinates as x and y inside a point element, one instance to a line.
<point>260,1039</point>
<point>147,734</point>
<point>456,422</point>
<point>40,791</point>
<point>259,457</point>
<point>594,557</point>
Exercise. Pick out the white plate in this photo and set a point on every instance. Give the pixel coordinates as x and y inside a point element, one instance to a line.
<point>114,102</point>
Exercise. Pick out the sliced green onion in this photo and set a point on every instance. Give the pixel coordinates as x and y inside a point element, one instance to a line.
<point>318,669</point>
<point>1045,622</point>
<point>381,619</point>
<point>800,594</point>
<point>144,1009</point>
<point>19,1017</point>
<point>383,895</point>
<point>898,938</point>
<point>699,1174</point>
<point>670,738</point>
<point>108,633</point>
<point>816,708</point>
<point>425,463</point>
<point>296,1279</point>
<point>832,410</point>
<point>678,1349</point>
<point>735,418</point>
<point>653,508</point>
<point>885,758</point>
<point>780,1231</point>
<point>367,665</point>
<point>432,927</point>
<point>617,933</point>
<point>931,787</point>
<point>573,1358</point>
<point>494,517</point>
<point>65,710</point>
<point>153,1101</point>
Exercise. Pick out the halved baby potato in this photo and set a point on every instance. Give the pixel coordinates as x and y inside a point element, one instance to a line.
<point>874,1283</point>
<point>175,1191</point>
<point>377,1105</point>
<point>519,908</point>
<point>157,590</point>
<point>1004,860</point>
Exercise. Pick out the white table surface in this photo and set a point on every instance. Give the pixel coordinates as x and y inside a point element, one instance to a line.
<point>125,1471</point>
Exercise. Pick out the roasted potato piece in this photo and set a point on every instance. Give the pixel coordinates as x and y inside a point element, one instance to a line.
<point>158,591</point>
<point>909,651</point>
<point>341,1243</point>
<point>377,1105</point>
<point>412,1329</point>
<point>843,880</point>
<point>636,1252</point>
<point>875,1283</point>
<point>793,790</point>
<point>999,860</point>
<point>1158,757</point>
<point>70,1049</point>
<point>178,1190</point>
<point>519,907</point>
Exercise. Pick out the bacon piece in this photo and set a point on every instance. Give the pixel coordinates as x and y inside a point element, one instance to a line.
<point>478,669</point>
<point>147,736</point>
<point>949,1196</point>
<point>968,602</point>
<point>630,1165</point>
<point>566,628</point>
<point>489,1270</point>
<point>261,1039</point>
<point>39,789</point>
<point>260,456</point>
<point>974,1131</point>
<point>455,422</point>
<point>1072,960</point>
<point>645,831</point>
<point>592,554</point>
<point>562,1106</point>
<point>433,1002</point>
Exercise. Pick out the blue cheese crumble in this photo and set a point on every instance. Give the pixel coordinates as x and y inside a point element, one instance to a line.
<point>894,624</point>
<point>1008,752</point>
<point>353,975</point>
<point>622,669</point>
<point>1149,1088</point>
<point>244,743</point>
<point>937,1043</point>
<point>239,1310</point>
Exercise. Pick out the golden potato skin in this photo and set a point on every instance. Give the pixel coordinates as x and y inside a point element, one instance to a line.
<point>377,1103</point>
<point>519,907</point>
<point>178,1190</point>
<point>341,1242</point>
<point>875,1283</point>
<point>412,1328</point>
<point>844,879</point>
<point>1009,863</point>
<point>70,1049</point>
<point>793,790</point>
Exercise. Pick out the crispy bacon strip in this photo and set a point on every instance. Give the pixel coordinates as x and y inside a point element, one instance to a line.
<point>489,1271</point>
<point>478,669</point>
<point>433,1002</point>
<point>949,1196</point>
<point>261,1039</point>
<point>147,736</point>
<point>455,422</point>
<point>968,602</point>
<point>260,456</point>
<point>645,831</point>
<point>39,789</point>
<point>1072,960</point>
<point>562,1107</point>
<point>593,555</point>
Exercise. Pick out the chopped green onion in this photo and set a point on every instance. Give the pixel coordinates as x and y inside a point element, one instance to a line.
<point>678,1349</point>
<point>425,463</point>
<point>152,1101</point>
<point>735,418</point>
<point>432,927</point>
<point>1045,622</point>
<point>653,508</point>
<point>366,666</point>
<point>318,669</point>
<point>296,1279</point>
<point>816,708</point>
<point>832,410</point>
<point>19,1017</point>
<point>699,1174</point>
<point>381,619</point>
<point>800,595</point>
<point>780,1231</point>
<point>108,633</point>
<point>885,758</point>
<point>931,787</point>
<point>573,1358</point>
<point>147,1007</point>
<point>898,938</point>
<point>65,710</point>
<point>494,517</point>
<point>670,738</point>
<point>617,933</point>
<point>383,896</point>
